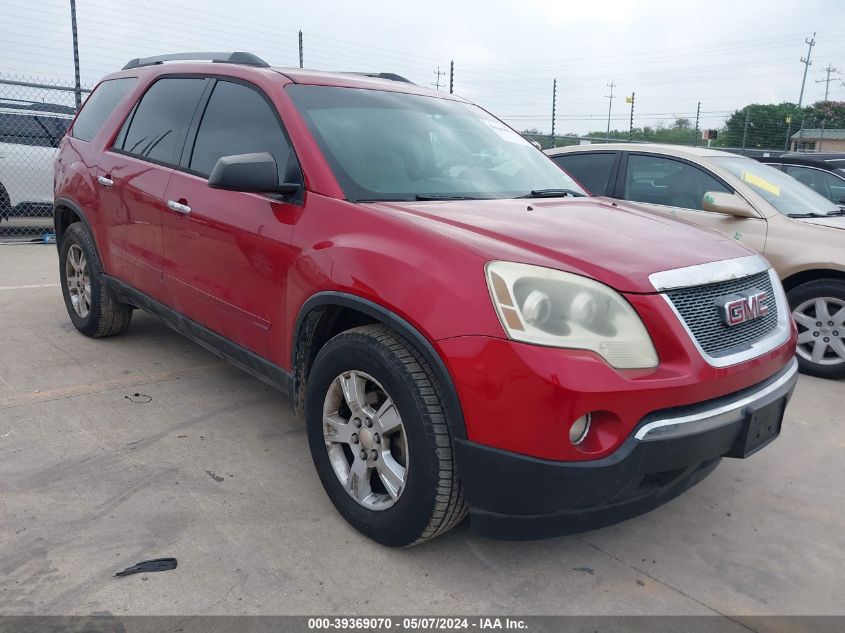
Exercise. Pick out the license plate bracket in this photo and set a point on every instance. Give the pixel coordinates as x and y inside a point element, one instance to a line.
<point>762,424</point>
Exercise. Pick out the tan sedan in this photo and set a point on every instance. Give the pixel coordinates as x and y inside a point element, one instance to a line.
<point>800,232</point>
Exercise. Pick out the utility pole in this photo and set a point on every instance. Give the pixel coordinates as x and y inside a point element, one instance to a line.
<point>439,74</point>
<point>807,62</point>
<point>745,129</point>
<point>697,117</point>
<point>611,85</point>
<point>821,135</point>
<point>451,75</point>
<point>78,83</point>
<point>554,103</point>
<point>826,81</point>
<point>300,49</point>
<point>789,129</point>
<point>631,125</point>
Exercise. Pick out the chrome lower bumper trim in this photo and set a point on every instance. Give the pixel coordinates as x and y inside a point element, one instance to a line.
<point>724,413</point>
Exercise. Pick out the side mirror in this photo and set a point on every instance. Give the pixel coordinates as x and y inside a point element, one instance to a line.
<point>728,203</point>
<point>255,173</point>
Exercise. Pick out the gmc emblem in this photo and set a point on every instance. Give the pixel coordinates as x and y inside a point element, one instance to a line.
<point>746,306</point>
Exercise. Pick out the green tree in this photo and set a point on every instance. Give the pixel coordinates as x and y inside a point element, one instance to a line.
<point>533,134</point>
<point>680,132</point>
<point>831,112</point>
<point>767,125</point>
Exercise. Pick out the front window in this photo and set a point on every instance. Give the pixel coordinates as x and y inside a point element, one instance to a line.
<point>783,192</point>
<point>394,146</point>
<point>669,182</point>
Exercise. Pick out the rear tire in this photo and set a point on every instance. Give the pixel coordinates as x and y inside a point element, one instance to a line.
<point>400,488</point>
<point>91,305</point>
<point>5,204</point>
<point>818,308</point>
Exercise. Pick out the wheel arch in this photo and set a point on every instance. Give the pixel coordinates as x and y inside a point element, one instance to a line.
<point>328,313</point>
<point>67,212</point>
<point>813,274</point>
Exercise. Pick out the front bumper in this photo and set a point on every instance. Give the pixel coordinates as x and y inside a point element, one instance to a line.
<point>520,497</point>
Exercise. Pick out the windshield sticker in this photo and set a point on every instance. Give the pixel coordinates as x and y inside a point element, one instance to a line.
<point>762,183</point>
<point>505,132</point>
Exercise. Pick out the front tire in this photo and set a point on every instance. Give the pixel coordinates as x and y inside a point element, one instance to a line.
<point>379,437</point>
<point>818,308</point>
<point>91,305</point>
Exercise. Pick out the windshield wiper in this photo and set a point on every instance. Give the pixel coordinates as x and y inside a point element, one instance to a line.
<point>817,215</point>
<point>553,193</point>
<point>445,196</point>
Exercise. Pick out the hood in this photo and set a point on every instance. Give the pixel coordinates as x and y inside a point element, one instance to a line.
<point>595,237</point>
<point>834,222</point>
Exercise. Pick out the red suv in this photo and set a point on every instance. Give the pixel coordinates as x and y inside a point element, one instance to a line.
<point>456,323</point>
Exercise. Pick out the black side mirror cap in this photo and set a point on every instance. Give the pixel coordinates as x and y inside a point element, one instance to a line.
<point>255,173</point>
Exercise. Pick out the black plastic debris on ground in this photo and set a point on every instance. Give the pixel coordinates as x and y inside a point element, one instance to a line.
<point>157,564</point>
<point>139,398</point>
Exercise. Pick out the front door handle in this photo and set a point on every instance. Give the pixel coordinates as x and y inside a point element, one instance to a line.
<point>106,182</point>
<point>178,207</point>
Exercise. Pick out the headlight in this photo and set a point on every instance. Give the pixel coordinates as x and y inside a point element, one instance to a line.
<point>550,307</point>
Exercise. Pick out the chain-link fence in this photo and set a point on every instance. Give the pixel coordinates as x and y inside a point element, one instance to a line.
<point>33,118</point>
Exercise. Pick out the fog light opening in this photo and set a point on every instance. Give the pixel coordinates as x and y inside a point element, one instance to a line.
<point>579,429</point>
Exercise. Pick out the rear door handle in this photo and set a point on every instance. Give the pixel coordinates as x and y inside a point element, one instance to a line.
<point>106,182</point>
<point>178,207</point>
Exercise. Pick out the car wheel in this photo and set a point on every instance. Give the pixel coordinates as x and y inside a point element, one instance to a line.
<point>818,308</point>
<point>92,307</point>
<point>5,204</point>
<point>379,437</point>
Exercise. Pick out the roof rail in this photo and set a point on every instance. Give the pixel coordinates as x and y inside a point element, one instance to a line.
<point>223,58</point>
<point>390,76</point>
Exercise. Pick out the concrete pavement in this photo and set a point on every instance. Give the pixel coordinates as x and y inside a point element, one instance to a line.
<point>208,465</point>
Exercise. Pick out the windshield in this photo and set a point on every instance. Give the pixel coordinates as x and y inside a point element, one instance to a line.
<point>783,192</point>
<point>393,146</point>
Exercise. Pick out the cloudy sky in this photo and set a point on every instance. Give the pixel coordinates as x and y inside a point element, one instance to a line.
<point>724,54</point>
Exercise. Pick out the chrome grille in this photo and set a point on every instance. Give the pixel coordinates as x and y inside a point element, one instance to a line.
<point>699,309</point>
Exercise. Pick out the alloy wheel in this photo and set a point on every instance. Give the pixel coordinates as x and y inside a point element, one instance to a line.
<point>821,330</point>
<point>365,440</point>
<point>78,280</point>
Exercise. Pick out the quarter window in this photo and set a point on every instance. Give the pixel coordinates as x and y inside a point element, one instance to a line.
<point>669,182</point>
<point>161,119</point>
<point>238,120</point>
<point>591,170</point>
<point>99,105</point>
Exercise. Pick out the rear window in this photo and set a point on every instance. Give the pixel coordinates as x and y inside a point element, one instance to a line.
<point>161,119</point>
<point>99,106</point>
